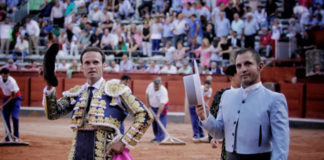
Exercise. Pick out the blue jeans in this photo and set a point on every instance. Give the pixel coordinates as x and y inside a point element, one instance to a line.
<point>157,130</point>
<point>12,108</point>
<point>15,54</point>
<point>195,123</point>
<point>155,46</point>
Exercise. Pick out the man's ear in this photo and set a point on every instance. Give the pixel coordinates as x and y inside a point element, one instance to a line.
<point>261,65</point>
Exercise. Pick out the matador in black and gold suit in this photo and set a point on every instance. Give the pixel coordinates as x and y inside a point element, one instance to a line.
<point>97,129</point>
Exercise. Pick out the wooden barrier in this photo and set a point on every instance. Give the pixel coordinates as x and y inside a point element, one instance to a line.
<point>314,100</point>
<point>37,85</point>
<point>278,74</point>
<point>294,94</point>
<point>139,88</point>
<point>176,93</point>
<point>24,83</point>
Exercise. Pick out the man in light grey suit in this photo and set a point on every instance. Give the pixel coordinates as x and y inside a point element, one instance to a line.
<point>253,119</point>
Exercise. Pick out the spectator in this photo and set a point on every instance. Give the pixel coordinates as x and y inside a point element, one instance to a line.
<point>126,65</point>
<point>195,31</point>
<point>179,54</point>
<point>316,70</point>
<point>105,44</point>
<point>156,29</point>
<point>146,38</point>
<point>75,67</point>
<point>319,9</point>
<point>204,52</point>
<point>293,28</point>
<point>276,30</point>
<point>33,67</point>
<point>234,40</point>
<point>63,66</point>
<point>57,14</point>
<point>141,67</point>
<point>224,48</point>
<point>215,69</point>
<point>56,30</point>
<point>5,35</point>
<point>169,51</point>
<point>318,22</point>
<point>185,69</point>
<point>121,48</point>
<point>179,26</point>
<point>95,38</point>
<point>145,4</point>
<point>250,30</point>
<point>21,48</point>
<point>271,9</point>
<point>153,68</point>
<point>169,68</point>
<point>113,67</point>
<point>95,16</point>
<point>188,10</point>
<point>265,42</point>
<point>209,33</point>
<point>288,6</point>
<point>46,28</point>
<point>238,25</point>
<point>10,65</point>
<point>230,10</point>
<point>222,26</point>
<point>107,24</point>
<point>46,8</point>
<point>261,17</point>
<point>33,32</point>
<point>176,6</point>
<point>203,10</point>
<point>167,34</point>
<point>84,40</point>
<point>69,11</point>
<point>125,9</point>
<point>106,14</point>
<point>138,38</point>
<point>132,47</point>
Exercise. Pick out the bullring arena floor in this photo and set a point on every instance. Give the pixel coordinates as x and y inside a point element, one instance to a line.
<point>51,140</point>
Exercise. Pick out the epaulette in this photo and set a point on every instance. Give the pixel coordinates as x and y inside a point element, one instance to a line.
<point>113,88</point>
<point>75,91</point>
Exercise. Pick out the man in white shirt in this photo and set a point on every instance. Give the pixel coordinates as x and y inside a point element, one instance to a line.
<point>57,14</point>
<point>5,34</point>
<point>33,31</point>
<point>125,9</point>
<point>113,67</point>
<point>11,102</point>
<point>21,48</point>
<point>237,25</point>
<point>261,17</point>
<point>169,68</point>
<point>157,99</point>
<point>95,16</point>
<point>179,26</point>
<point>250,30</point>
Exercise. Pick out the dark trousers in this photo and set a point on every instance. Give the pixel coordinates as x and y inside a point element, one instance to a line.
<point>156,46</point>
<point>147,4</point>
<point>195,123</point>
<point>249,41</point>
<point>12,108</point>
<point>236,156</point>
<point>157,130</point>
